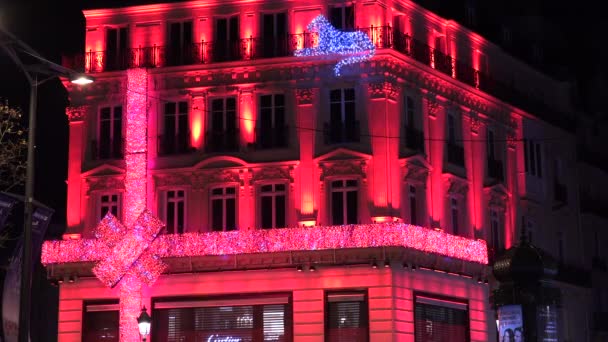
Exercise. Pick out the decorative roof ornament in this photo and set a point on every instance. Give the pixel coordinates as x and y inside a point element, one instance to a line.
<point>356,45</point>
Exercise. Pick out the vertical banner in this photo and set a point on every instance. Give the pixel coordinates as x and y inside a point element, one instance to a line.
<point>510,323</point>
<point>11,294</point>
<point>547,323</point>
<point>6,204</point>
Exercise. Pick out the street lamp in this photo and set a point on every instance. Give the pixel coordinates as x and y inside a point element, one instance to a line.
<point>39,66</point>
<point>144,321</point>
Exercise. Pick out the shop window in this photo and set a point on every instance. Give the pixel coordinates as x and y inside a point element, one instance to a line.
<point>346,318</point>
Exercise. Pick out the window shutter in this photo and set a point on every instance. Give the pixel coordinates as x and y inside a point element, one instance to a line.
<point>347,318</point>
<point>100,323</point>
<point>440,320</point>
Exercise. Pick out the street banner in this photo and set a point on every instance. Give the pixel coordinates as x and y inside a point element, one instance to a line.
<point>6,204</point>
<point>510,324</point>
<point>11,294</point>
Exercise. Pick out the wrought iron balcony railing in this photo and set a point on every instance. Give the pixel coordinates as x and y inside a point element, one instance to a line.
<point>414,139</point>
<point>222,141</point>
<point>107,149</point>
<point>268,47</point>
<point>271,137</point>
<point>455,154</point>
<point>338,132</point>
<point>174,144</point>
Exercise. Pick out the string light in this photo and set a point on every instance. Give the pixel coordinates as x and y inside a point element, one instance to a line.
<point>283,240</point>
<point>357,45</point>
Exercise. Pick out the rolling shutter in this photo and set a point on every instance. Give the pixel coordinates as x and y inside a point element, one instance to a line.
<point>439,320</point>
<point>100,322</point>
<point>347,318</point>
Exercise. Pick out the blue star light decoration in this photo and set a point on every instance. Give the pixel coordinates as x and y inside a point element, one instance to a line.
<point>357,45</point>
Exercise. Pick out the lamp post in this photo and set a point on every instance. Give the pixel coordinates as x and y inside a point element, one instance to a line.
<point>16,50</point>
<point>144,321</point>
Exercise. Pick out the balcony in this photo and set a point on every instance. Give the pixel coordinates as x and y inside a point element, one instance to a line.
<point>174,144</point>
<point>495,170</point>
<point>271,138</point>
<point>222,141</point>
<point>455,154</point>
<point>269,47</point>
<point>341,132</point>
<point>105,150</point>
<point>414,139</point>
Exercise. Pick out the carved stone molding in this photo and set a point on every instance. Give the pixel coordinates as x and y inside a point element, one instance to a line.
<point>497,198</point>
<point>77,113</point>
<point>270,173</point>
<point>105,183</point>
<point>205,178</point>
<point>304,96</point>
<point>344,168</point>
<point>511,140</point>
<point>172,179</point>
<point>385,89</point>
<point>456,186</point>
<point>416,174</point>
<point>432,105</point>
<point>475,122</point>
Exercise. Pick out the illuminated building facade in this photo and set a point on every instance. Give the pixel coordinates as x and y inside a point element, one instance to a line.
<point>300,203</point>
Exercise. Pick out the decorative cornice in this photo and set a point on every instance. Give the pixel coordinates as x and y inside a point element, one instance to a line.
<point>497,198</point>
<point>384,89</point>
<point>105,183</point>
<point>415,173</point>
<point>205,178</point>
<point>270,173</point>
<point>172,179</point>
<point>76,113</point>
<point>304,96</point>
<point>344,168</point>
<point>475,122</point>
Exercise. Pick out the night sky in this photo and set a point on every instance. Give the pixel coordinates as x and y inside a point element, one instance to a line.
<point>56,28</point>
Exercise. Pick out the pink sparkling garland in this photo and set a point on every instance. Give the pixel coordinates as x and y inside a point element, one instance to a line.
<point>282,240</point>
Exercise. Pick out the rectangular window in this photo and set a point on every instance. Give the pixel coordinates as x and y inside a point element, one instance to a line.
<point>343,126</point>
<point>409,112</point>
<point>272,205</point>
<point>495,230</point>
<point>533,158</point>
<point>346,318</point>
<point>272,131</point>
<point>242,318</point>
<point>344,202</point>
<point>180,43</point>
<point>116,48</point>
<point>451,129</point>
<point>440,320</point>
<point>109,145</point>
<point>100,321</point>
<point>176,131</point>
<point>455,216</point>
<point>490,145</point>
<point>413,206</point>
<point>223,208</point>
<point>175,211</point>
<point>342,17</point>
<point>226,45</point>
<point>223,135</point>
<point>109,203</point>
<point>274,33</point>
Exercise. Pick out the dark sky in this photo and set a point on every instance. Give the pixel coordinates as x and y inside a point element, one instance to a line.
<point>56,28</point>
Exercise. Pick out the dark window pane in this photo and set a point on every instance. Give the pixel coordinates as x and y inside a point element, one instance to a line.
<point>351,182</point>
<point>231,191</point>
<point>266,211</point>
<point>171,217</point>
<point>180,217</point>
<point>337,208</point>
<point>280,187</point>
<point>280,211</point>
<point>217,214</point>
<point>217,191</point>
<point>267,188</point>
<point>351,207</point>
<point>230,214</point>
<point>336,184</point>
<point>100,326</point>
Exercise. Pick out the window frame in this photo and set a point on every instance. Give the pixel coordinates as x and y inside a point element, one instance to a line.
<point>109,305</point>
<point>343,103</point>
<point>344,190</point>
<point>446,302</point>
<point>224,112</point>
<point>343,293</point>
<point>344,21</point>
<point>273,194</point>
<point>223,197</point>
<point>100,204</point>
<point>112,121</point>
<point>165,208</point>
